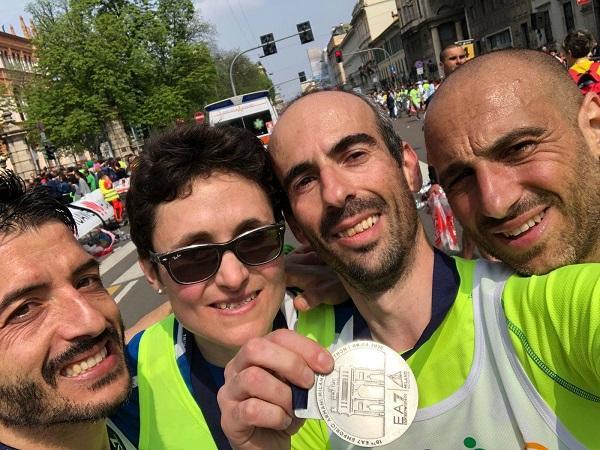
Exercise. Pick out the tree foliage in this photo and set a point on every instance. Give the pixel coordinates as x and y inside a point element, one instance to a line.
<point>144,62</point>
<point>248,77</point>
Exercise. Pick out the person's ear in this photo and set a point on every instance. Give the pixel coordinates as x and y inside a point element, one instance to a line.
<point>588,120</point>
<point>410,167</point>
<point>296,230</point>
<point>150,270</point>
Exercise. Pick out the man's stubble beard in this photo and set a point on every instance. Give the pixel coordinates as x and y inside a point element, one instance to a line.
<point>25,403</point>
<point>392,263</point>
<point>579,241</point>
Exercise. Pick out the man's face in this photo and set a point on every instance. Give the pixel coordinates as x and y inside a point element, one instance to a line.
<point>61,338</point>
<point>240,301</point>
<point>519,175</point>
<point>348,195</point>
<point>454,57</point>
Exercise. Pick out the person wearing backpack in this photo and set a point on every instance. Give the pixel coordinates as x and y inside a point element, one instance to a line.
<point>578,46</point>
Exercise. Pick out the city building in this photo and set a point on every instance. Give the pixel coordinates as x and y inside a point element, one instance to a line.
<point>319,66</point>
<point>370,18</point>
<point>337,73</point>
<point>552,20</point>
<point>391,62</point>
<point>427,26</point>
<point>17,62</point>
<point>499,24</point>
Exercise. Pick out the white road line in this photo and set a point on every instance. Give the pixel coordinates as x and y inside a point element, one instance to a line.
<point>424,171</point>
<point>132,273</point>
<point>124,291</point>
<point>117,256</point>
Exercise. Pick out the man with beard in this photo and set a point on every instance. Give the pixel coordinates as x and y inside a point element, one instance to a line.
<point>520,165</point>
<point>473,335</point>
<point>61,339</point>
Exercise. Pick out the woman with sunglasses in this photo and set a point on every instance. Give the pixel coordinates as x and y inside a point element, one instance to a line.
<point>209,234</point>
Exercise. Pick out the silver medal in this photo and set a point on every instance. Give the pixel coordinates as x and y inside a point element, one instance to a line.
<point>371,397</point>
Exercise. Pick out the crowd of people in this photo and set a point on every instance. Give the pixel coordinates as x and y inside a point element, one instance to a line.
<point>69,184</point>
<point>505,355</point>
<point>411,99</point>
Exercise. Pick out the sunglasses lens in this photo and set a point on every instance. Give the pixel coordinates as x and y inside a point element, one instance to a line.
<point>259,247</point>
<point>194,265</point>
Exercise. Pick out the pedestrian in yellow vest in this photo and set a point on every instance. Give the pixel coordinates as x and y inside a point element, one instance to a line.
<point>111,196</point>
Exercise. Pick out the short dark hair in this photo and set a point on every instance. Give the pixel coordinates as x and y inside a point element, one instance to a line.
<point>384,124</point>
<point>448,47</point>
<point>22,209</point>
<point>579,43</point>
<point>173,159</point>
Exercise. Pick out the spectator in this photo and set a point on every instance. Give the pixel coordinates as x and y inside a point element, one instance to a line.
<point>111,196</point>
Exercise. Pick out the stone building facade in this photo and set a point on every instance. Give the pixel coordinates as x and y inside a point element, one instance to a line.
<point>16,64</point>
<point>370,18</point>
<point>391,64</point>
<point>499,24</point>
<point>427,26</point>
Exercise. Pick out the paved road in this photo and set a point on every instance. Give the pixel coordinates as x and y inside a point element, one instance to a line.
<point>411,130</point>
<point>124,278</point>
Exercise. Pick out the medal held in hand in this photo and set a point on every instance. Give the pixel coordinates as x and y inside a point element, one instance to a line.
<point>370,399</point>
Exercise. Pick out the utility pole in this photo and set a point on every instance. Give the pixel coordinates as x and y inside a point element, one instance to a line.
<point>269,48</point>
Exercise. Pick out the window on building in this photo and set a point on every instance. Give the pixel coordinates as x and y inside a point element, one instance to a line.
<point>525,33</point>
<point>569,18</point>
<point>447,33</point>
<point>499,40</point>
<point>396,43</point>
<point>408,9</point>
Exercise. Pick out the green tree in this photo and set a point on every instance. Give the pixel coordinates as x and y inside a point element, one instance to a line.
<point>141,62</point>
<point>247,76</point>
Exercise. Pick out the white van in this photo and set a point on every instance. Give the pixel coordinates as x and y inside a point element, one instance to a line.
<point>253,111</point>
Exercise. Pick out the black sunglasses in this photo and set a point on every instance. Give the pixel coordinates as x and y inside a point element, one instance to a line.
<point>197,263</point>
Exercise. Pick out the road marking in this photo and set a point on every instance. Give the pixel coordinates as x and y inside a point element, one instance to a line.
<point>117,256</point>
<point>112,289</point>
<point>134,272</point>
<point>124,291</point>
<point>424,171</point>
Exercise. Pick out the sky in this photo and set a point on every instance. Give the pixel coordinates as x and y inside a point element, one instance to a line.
<point>240,23</point>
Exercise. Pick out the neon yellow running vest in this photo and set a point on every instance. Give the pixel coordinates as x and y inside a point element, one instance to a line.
<point>169,415</point>
<point>170,418</point>
<point>496,407</point>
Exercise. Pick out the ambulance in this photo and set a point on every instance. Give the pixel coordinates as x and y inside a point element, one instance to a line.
<point>253,111</point>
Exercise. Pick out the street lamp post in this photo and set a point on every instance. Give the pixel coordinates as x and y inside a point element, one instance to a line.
<point>303,39</point>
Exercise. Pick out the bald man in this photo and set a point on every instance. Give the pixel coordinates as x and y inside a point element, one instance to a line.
<point>513,364</point>
<point>452,57</point>
<point>520,166</point>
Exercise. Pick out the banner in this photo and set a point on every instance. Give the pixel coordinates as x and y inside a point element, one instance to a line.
<point>122,185</point>
<point>90,212</point>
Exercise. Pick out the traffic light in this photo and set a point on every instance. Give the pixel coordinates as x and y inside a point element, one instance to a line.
<point>49,152</point>
<point>302,77</point>
<point>268,44</point>
<point>338,56</point>
<point>306,34</point>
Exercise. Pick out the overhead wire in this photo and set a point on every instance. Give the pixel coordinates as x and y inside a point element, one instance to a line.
<point>240,28</point>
